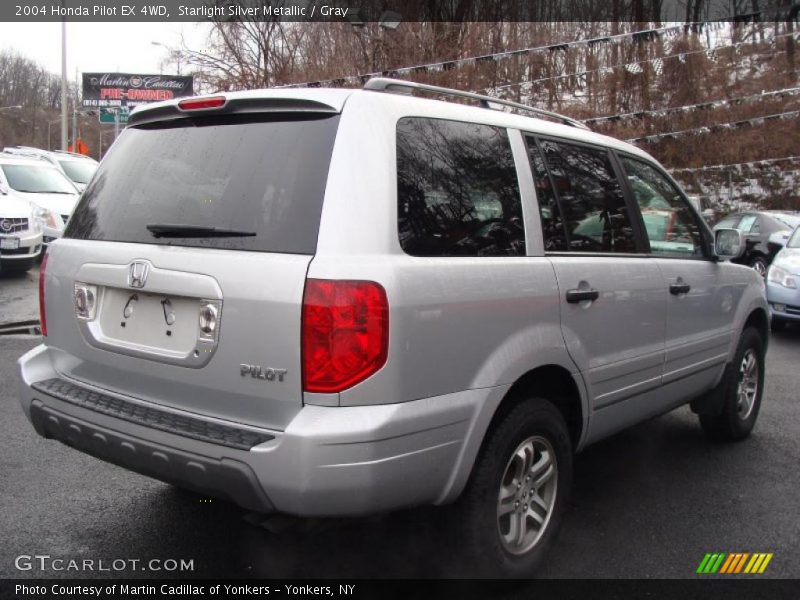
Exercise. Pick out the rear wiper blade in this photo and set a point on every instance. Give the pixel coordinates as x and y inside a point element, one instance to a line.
<point>194,231</point>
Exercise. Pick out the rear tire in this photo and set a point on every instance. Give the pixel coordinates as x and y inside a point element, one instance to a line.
<point>511,510</point>
<point>743,387</point>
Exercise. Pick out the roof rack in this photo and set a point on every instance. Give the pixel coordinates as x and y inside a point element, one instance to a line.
<point>385,84</point>
<point>23,154</point>
<point>67,152</point>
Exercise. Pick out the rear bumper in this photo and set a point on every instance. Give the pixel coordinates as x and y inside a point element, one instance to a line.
<point>328,461</point>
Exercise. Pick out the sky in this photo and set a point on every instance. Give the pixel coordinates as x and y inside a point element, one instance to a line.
<point>93,47</point>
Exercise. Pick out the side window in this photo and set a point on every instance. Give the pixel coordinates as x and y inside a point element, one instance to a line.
<point>590,198</point>
<point>671,226</point>
<point>729,222</point>
<point>748,224</point>
<point>555,239</point>
<point>457,190</point>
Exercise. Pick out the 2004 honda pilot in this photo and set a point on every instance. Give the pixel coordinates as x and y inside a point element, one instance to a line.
<point>337,302</point>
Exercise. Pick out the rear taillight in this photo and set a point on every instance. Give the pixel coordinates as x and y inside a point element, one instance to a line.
<point>345,333</point>
<point>202,103</point>
<point>42,314</point>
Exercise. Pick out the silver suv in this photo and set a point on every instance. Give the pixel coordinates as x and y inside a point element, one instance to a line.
<point>338,302</point>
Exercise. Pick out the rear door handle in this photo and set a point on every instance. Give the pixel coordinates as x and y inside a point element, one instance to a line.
<point>676,289</point>
<point>576,296</point>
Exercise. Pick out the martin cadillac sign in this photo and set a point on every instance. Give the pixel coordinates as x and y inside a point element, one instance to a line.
<point>104,90</point>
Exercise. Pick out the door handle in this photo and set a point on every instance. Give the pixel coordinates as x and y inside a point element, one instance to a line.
<point>676,289</point>
<point>576,296</point>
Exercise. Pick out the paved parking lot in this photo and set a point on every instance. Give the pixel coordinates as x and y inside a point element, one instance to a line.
<point>18,299</point>
<point>649,502</point>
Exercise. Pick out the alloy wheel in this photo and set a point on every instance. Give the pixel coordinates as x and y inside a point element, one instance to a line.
<point>527,495</point>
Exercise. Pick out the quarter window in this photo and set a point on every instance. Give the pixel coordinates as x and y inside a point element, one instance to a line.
<point>670,225</point>
<point>457,190</point>
<point>588,196</point>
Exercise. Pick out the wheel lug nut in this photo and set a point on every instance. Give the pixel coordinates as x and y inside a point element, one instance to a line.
<point>525,507</point>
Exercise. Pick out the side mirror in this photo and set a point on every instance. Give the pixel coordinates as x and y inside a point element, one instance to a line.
<point>728,243</point>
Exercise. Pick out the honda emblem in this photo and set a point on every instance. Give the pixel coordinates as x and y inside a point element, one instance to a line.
<point>137,274</point>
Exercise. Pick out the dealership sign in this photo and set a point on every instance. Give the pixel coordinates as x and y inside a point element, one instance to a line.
<point>104,90</point>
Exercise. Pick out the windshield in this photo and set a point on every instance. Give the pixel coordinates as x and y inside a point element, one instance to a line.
<point>37,180</point>
<point>80,171</point>
<point>260,174</point>
<point>794,241</point>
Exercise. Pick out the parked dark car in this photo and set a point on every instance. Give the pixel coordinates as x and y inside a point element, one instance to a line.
<point>757,226</point>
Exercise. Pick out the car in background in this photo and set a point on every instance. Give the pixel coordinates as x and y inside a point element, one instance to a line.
<point>757,227</point>
<point>20,232</point>
<point>43,185</point>
<point>783,284</point>
<point>78,168</point>
<point>703,206</point>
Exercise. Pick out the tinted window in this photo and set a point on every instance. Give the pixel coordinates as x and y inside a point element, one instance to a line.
<point>590,197</point>
<point>258,175</point>
<point>669,223</point>
<point>552,226</point>
<point>457,190</point>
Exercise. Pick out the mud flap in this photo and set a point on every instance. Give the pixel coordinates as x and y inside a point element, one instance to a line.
<point>711,403</point>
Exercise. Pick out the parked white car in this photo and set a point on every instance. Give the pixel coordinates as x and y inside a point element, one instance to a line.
<point>20,233</point>
<point>78,168</point>
<point>43,185</point>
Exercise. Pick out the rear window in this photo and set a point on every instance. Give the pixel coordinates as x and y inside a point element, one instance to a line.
<point>261,175</point>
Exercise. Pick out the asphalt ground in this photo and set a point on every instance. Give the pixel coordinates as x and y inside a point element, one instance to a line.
<point>647,503</point>
<point>18,296</point>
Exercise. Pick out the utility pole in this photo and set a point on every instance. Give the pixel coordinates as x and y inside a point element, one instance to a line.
<point>63,83</point>
<point>75,115</point>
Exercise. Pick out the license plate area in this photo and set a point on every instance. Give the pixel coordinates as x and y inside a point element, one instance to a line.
<point>162,327</point>
<point>9,243</point>
<point>167,316</point>
<point>155,321</point>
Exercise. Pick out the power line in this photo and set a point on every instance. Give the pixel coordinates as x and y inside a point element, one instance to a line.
<point>680,55</point>
<point>699,106</point>
<point>716,127</point>
<point>640,35</point>
<point>752,163</point>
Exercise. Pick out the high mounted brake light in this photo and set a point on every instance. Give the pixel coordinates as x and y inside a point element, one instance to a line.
<point>202,103</point>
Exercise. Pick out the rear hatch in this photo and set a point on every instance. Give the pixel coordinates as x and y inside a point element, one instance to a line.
<point>180,276</point>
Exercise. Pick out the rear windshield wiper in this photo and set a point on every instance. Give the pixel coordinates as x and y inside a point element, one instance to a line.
<point>194,231</point>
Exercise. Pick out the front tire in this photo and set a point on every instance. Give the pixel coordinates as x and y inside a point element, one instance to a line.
<point>514,502</point>
<point>759,265</point>
<point>743,387</point>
